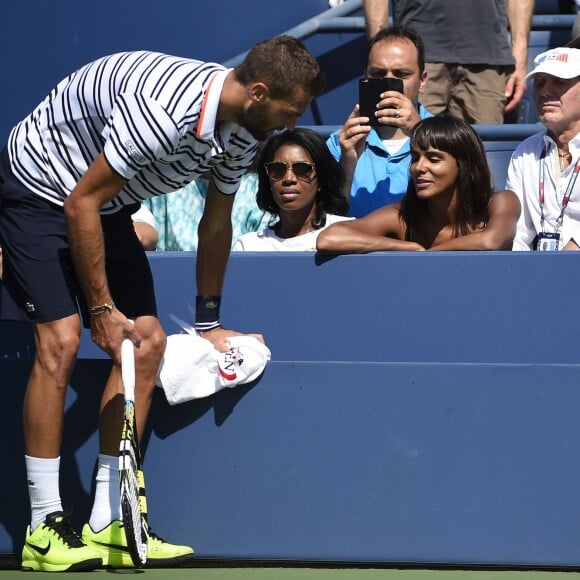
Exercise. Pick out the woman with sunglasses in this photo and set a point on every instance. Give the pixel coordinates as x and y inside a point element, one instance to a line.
<point>450,203</point>
<point>300,184</point>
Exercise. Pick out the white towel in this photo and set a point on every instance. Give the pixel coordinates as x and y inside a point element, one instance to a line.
<point>192,368</point>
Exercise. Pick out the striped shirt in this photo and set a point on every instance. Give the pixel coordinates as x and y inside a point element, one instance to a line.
<point>152,115</point>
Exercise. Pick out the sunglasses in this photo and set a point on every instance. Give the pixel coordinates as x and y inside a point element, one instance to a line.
<point>277,169</point>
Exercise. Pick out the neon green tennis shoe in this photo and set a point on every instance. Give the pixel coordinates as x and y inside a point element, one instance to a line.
<point>55,547</point>
<point>111,544</point>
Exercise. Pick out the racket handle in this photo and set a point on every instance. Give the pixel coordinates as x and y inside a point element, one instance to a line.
<point>128,368</point>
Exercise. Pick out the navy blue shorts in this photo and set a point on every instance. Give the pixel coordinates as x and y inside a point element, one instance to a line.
<point>39,281</point>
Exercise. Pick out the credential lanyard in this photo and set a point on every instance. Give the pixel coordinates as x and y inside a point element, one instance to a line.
<point>567,193</point>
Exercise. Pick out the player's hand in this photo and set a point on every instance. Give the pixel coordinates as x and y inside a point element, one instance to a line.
<point>108,331</point>
<point>219,337</point>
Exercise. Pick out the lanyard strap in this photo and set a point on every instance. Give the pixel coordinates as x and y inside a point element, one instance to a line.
<point>567,192</point>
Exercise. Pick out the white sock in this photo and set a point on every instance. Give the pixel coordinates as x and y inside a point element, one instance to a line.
<point>107,505</point>
<point>43,488</point>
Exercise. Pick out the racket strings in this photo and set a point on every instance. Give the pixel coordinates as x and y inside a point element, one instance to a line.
<point>128,457</point>
<point>132,518</point>
<point>132,489</point>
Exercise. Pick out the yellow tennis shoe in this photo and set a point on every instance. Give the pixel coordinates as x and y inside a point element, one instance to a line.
<point>111,544</point>
<point>55,547</point>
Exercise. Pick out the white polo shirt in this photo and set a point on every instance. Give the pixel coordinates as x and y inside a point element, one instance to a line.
<point>524,179</point>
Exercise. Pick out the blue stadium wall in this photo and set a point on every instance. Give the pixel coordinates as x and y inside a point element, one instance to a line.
<point>42,41</point>
<point>418,408</point>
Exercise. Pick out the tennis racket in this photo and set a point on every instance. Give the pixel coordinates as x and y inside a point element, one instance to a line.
<point>133,500</point>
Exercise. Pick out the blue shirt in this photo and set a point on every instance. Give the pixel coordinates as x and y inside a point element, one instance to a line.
<point>379,177</point>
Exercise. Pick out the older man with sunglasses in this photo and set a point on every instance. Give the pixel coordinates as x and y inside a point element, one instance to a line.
<point>544,168</point>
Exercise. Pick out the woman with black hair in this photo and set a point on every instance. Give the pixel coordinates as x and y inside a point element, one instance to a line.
<point>450,203</point>
<point>300,184</point>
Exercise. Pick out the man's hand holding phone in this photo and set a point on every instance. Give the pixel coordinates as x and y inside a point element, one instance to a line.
<point>370,95</point>
<point>383,101</point>
<point>394,110</point>
<point>352,138</point>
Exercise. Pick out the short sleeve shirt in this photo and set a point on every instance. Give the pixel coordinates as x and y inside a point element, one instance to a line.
<point>152,115</point>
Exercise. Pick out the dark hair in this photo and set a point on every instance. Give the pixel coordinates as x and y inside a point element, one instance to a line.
<point>456,137</point>
<point>399,33</point>
<point>284,64</point>
<point>330,197</point>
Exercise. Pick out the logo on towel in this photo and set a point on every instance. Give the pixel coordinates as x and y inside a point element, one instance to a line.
<point>231,361</point>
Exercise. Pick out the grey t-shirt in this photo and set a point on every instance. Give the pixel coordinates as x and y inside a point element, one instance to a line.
<point>459,31</point>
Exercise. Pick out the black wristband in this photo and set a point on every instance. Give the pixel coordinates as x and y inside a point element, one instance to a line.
<point>207,312</point>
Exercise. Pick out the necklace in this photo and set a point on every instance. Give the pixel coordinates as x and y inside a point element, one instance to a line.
<point>564,160</point>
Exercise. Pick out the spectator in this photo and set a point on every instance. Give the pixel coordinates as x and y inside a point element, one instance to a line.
<point>450,203</point>
<point>544,168</point>
<point>121,129</point>
<point>476,52</point>
<point>376,160</point>
<point>575,35</point>
<point>300,183</point>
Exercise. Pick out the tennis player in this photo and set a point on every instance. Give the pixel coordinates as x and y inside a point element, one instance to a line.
<point>119,130</point>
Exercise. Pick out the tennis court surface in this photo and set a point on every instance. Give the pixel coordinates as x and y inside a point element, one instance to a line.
<point>306,573</point>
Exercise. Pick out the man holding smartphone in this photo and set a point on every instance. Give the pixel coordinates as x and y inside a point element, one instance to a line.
<point>477,52</point>
<point>373,148</point>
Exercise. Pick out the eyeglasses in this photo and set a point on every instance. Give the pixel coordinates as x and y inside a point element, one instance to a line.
<point>301,169</point>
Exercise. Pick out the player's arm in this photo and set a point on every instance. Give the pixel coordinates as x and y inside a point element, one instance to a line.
<point>500,230</point>
<point>215,239</point>
<point>379,231</point>
<point>97,186</point>
<point>213,251</point>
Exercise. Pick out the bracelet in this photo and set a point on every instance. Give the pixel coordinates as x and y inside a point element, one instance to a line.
<point>207,312</point>
<point>96,310</point>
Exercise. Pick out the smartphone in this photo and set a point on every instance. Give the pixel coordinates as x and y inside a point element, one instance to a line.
<point>369,91</point>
